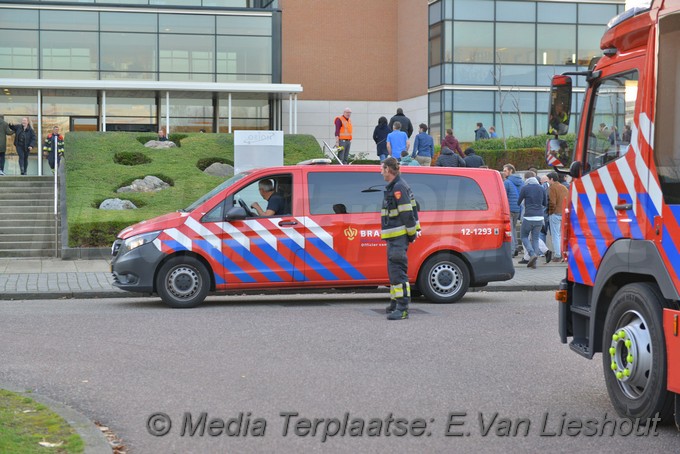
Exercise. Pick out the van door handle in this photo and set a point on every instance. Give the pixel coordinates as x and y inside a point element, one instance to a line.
<point>624,207</point>
<point>287,223</point>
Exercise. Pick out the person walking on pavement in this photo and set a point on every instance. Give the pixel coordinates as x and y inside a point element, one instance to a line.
<point>406,125</point>
<point>397,141</point>
<point>472,159</point>
<point>557,198</point>
<point>535,200</point>
<point>452,143</point>
<point>24,141</point>
<point>343,134</point>
<point>5,130</point>
<point>448,158</point>
<point>481,133</point>
<point>400,227</point>
<point>53,147</point>
<point>512,185</point>
<point>423,147</point>
<point>380,138</point>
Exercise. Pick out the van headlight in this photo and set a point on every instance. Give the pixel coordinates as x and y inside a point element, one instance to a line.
<point>139,240</point>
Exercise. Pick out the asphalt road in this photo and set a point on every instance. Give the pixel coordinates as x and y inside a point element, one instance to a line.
<point>491,355</point>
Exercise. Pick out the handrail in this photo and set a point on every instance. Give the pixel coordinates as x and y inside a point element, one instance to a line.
<point>58,168</point>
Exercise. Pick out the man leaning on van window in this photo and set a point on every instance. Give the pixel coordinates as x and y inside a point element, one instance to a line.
<point>275,202</point>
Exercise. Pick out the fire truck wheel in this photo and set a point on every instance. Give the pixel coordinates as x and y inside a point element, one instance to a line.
<point>183,282</point>
<point>634,353</point>
<point>444,278</point>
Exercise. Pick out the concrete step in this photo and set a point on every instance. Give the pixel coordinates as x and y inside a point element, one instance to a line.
<point>28,195</point>
<point>14,179</point>
<point>44,215</point>
<point>10,246</point>
<point>28,202</point>
<point>27,230</point>
<point>13,210</point>
<point>20,223</point>
<point>26,253</point>
<point>27,237</point>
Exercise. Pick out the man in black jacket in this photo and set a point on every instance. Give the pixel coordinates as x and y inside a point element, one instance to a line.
<point>24,141</point>
<point>4,130</point>
<point>448,158</point>
<point>472,159</point>
<point>406,125</point>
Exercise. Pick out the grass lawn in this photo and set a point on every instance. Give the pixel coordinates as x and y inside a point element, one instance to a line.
<point>25,424</point>
<point>93,176</point>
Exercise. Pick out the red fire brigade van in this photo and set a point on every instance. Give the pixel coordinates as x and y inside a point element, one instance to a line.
<point>621,227</point>
<point>328,237</point>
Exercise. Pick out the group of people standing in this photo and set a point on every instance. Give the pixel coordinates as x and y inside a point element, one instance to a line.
<point>25,140</point>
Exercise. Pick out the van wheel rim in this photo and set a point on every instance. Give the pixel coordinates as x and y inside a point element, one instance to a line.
<point>445,279</point>
<point>631,354</point>
<point>183,282</point>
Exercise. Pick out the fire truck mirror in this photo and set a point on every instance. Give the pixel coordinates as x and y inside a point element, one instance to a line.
<point>560,105</point>
<point>557,153</point>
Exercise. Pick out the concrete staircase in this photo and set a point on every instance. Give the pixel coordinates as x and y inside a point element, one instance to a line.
<point>27,226</point>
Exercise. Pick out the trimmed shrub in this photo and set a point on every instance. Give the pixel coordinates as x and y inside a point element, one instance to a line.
<point>131,158</point>
<point>204,163</point>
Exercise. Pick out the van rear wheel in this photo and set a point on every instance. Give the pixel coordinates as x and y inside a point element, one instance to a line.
<point>444,278</point>
<point>183,282</point>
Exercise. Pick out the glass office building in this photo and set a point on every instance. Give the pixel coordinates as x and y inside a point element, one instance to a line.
<point>137,65</point>
<point>491,61</point>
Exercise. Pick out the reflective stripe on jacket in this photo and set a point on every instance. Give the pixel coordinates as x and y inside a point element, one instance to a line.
<point>399,214</point>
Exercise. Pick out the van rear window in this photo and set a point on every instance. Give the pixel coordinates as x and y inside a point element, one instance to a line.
<point>362,192</point>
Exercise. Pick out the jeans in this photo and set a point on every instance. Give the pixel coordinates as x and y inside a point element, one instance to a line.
<point>555,232</point>
<point>513,224</point>
<point>382,157</point>
<point>23,159</point>
<point>533,228</point>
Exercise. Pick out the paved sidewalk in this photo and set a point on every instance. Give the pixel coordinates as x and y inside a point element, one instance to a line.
<point>53,278</point>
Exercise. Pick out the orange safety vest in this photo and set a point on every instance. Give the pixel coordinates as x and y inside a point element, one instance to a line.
<point>346,128</point>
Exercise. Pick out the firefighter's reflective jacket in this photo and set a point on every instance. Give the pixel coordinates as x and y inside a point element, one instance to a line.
<point>399,215</point>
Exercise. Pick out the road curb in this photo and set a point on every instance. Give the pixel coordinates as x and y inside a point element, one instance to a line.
<point>93,438</point>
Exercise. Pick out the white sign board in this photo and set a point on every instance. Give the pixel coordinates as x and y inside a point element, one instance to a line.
<point>257,149</point>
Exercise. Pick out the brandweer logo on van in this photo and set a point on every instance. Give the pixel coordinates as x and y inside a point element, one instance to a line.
<point>351,233</point>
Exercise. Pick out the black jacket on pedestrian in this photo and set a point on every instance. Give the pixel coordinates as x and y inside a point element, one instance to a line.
<point>24,138</point>
<point>472,159</point>
<point>406,125</point>
<point>448,158</point>
<point>380,137</point>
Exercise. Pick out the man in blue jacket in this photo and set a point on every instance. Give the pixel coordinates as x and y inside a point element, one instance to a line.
<point>423,147</point>
<point>513,184</point>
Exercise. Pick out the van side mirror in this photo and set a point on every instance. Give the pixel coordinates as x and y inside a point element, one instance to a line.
<point>235,214</point>
<point>560,105</point>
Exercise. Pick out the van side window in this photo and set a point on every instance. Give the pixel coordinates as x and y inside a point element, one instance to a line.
<point>611,118</point>
<point>281,193</point>
<point>361,192</point>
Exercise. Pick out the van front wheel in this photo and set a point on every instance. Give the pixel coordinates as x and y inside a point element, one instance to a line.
<point>444,278</point>
<point>183,282</point>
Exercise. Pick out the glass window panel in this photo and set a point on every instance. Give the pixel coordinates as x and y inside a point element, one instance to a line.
<point>65,74</point>
<point>436,44</point>
<point>68,20</point>
<point>229,3</point>
<point>448,9</point>
<point>186,23</point>
<point>516,11</point>
<point>70,50</point>
<point>116,55</point>
<point>188,54</point>
<point>244,25</point>
<point>560,13</point>
<point>481,101</point>
<point>244,55</point>
<point>435,101</point>
<point>175,2</point>
<point>473,42</point>
<point>464,124</point>
<point>448,73</point>
<point>544,73</point>
<point>516,74</point>
<point>596,14</point>
<point>19,49</point>
<point>112,75</point>
<point>515,43</point>
<point>473,74</point>
<point>435,13</point>
<point>251,78</point>
<point>21,19</point>
<point>69,102</point>
<point>19,102</point>
<point>186,77</point>
<point>19,73</point>
<point>516,124</point>
<point>435,74</point>
<point>448,41</point>
<point>198,105</point>
<point>448,100</point>
<point>130,103</point>
<point>589,43</point>
<point>556,44</point>
<point>514,100</point>
<point>128,22</point>
<point>473,9</point>
<point>245,105</point>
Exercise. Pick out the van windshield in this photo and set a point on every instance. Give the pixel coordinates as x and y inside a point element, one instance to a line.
<point>219,188</point>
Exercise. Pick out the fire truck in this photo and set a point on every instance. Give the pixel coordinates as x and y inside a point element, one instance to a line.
<point>621,223</point>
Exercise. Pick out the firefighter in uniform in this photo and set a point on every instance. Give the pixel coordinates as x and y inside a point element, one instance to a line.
<point>53,148</point>
<point>400,226</point>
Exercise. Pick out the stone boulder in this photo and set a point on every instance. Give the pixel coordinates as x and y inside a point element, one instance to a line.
<point>160,144</point>
<point>218,169</point>
<point>117,204</point>
<point>148,184</point>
